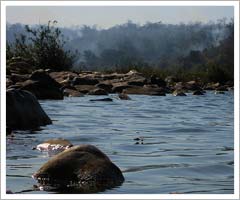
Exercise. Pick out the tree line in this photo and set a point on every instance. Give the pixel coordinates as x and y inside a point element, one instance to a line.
<point>188,51</point>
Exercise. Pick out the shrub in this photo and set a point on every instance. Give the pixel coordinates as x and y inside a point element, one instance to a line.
<point>43,47</point>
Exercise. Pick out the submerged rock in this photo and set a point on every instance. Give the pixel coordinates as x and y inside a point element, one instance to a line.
<point>124,95</point>
<point>82,167</point>
<point>219,92</point>
<point>23,111</point>
<point>178,93</point>
<point>198,92</point>
<point>104,99</point>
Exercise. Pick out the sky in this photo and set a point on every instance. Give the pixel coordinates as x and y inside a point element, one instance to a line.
<point>108,16</point>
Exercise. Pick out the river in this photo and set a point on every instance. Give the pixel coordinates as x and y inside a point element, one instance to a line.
<point>163,144</point>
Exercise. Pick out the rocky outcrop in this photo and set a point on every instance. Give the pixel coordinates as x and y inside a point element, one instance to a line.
<point>72,93</point>
<point>147,90</point>
<point>82,167</point>
<point>211,86</point>
<point>84,88</point>
<point>43,86</point>
<point>98,91</point>
<point>84,81</point>
<point>23,111</point>
<point>105,86</point>
<point>192,86</point>
<point>135,80</point>
<point>64,76</point>
<point>119,87</point>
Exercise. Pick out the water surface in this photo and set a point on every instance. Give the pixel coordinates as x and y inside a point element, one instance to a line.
<point>163,144</point>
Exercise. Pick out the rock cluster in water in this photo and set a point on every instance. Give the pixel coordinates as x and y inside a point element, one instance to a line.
<point>45,84</point>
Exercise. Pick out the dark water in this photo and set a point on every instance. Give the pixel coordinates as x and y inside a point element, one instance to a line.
<point>186,147</point>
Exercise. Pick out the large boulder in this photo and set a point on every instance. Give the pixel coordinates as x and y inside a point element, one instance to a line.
<point>23,111</point>
<point>82,167</point>
<point>43,86</point>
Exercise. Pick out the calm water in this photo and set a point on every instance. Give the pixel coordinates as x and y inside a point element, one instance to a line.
<point>187,142</point>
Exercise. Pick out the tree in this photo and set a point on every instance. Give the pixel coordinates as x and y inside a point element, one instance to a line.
<point>44,47</point>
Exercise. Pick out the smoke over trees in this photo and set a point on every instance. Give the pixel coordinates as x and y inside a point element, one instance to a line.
<point>206,48</point>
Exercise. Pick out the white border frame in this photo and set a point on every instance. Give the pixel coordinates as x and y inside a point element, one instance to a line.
<point>120,3</point>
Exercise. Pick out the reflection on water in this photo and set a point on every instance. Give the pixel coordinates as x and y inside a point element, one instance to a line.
<point>163,144</point>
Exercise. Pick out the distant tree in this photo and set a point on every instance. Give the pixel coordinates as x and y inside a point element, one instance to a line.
<point>44,47</point>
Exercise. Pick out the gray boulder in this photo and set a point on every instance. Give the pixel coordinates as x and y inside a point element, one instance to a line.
<point>23,111</point>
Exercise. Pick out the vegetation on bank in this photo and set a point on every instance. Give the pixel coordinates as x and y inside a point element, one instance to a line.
<point>44,47</point>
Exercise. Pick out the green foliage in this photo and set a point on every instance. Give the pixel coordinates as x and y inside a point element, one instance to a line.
<point>44,48</point>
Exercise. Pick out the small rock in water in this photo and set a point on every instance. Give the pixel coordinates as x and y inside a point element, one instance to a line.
<point>124,96</point>
<point>198,92</point>
<point>139,138</point>
<point>104,99</point>
<point>227,149</point>
<point>219,92</point>
<point>178,93</point>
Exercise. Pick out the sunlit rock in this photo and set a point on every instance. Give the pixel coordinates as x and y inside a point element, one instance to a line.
<point>82,167</point>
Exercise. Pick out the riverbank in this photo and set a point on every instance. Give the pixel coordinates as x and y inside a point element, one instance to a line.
<point>48,84</point>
